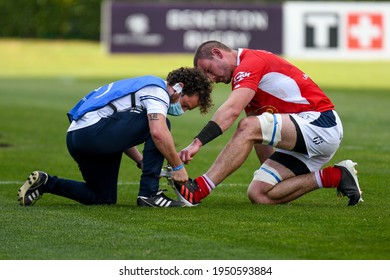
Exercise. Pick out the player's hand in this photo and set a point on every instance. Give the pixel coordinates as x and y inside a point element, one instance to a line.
<point>188,153</point>
<point>180,176</point>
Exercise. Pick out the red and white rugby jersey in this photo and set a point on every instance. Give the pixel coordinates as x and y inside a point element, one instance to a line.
<point>280,86</point>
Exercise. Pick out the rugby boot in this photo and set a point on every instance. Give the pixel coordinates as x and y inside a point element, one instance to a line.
<point>158,200</point>
<point>186,192</point>
<point>349,184</point>
<point>32,189</point>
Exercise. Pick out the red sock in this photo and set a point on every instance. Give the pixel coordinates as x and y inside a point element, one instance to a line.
<point>330,177</point>
<point>203,190</point>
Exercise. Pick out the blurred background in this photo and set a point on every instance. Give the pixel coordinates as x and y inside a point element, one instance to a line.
<point>316,30</point>
<point>284,27</point>
<point>66,19</point>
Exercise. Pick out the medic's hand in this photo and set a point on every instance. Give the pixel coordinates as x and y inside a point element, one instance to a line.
<point>180,176</point>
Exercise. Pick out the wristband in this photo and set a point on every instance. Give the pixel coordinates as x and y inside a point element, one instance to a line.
<point>139,164</point>
<point>177,168</point>
<point>211,131</point>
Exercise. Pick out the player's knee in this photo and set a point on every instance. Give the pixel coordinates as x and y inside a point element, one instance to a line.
<point>271,128</point>
<point>247,127</point>
<point>264,180</point>
<point>257,196</point>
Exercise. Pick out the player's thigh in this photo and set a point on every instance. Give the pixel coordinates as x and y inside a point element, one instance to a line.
<point>249,129</point>
<point>277,130</point>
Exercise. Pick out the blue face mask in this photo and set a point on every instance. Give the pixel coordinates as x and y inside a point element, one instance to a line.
<point>175,109</point>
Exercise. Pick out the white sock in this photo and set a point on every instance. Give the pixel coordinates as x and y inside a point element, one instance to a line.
<point>318,179</point>
<point>210,184</point>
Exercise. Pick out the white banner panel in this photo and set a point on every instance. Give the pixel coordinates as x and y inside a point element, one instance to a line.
<point>336,30</point>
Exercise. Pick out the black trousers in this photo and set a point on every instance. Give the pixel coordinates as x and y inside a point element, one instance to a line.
<point>98,151</point>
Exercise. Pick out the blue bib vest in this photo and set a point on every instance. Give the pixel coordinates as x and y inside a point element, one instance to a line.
<point>104,95</point>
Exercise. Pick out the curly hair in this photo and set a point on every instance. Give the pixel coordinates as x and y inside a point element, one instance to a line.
<point>195,83</point>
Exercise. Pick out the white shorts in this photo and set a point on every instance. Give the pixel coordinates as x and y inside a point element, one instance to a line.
<point>322,133</point>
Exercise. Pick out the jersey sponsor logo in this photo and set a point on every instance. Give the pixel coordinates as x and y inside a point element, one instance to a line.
<point>240,76</point>
<point>264,109</point>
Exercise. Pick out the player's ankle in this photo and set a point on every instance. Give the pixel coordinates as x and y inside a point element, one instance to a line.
<point>330,176</point>
<point>204,190</point>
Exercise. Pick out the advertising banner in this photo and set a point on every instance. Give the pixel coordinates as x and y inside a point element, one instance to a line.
<point>182,27</point>
<point>337,30</point>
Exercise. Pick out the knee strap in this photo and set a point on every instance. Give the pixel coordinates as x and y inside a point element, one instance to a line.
<point>271,127</point>
<point>268,175</point>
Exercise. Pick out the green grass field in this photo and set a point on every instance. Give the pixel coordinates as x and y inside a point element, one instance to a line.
<point>40,81</point>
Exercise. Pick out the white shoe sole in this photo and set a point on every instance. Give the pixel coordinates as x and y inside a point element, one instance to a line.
<point>31,180</point>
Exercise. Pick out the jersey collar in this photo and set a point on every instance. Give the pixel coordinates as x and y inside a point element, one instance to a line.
<point>240,50</point>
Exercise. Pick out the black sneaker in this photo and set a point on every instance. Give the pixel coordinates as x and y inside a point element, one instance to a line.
<point>349,184</point>
<point>158,200</point>
<point>186,192</point>
<point>32,189</point>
